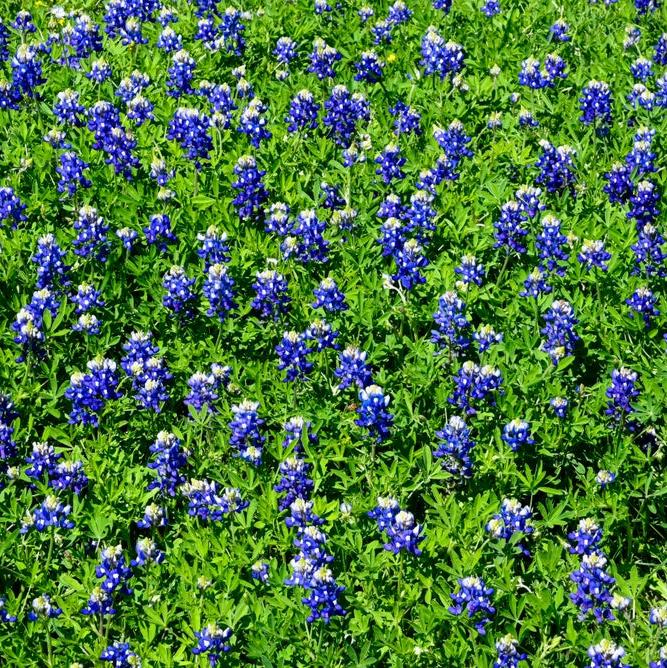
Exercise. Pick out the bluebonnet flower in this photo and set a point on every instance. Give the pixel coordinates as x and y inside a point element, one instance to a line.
<point>329,297</point>
<point>470,270</point>
<point>554,65</point>
<point>332,197</point>
<point>302,515</point>
<point>399,13</point>
<point>43,459</point>
<point>550,244</point>
<point>645,98</point>
<point>586,538</point>
<point>91,234</point>
<point>206,502</point>
<point>490,8</point>
<point>322,334</point>
<point>644,204</point>
<point>140,110</point>
<point>180,74</point>
<point>621,394</point>
<point>100,71</point>
<point>89,392</point>
<point>323,594</point>
<point>531,75</point>
<point>71,170</point>
<point>29,323</point>
<point>640,158</point>
<point>253,124</point>
<point>67,109</point>
<point>147,552</point>
<point>454,447</point>
<point>88,323</point>
<point>440,57</point>
<point>594,584</point>
<point>384,512</point>
<point>369,67</point>
<point>169,40</point>
<point>207,33</point>
<point>295,429</point>
<point>508,228</point>
<point>168,460</point>
<point>495,121</point>
<point>660,50</point>
<point>213,641</point>
<point>604,478</point>
<point>559,30</point>
<point>114,571</point>
<point>271,298</point>
<point>645,6</point>
<point>486,337</point>
<point>406,119</point>
<point>260,571</point>
<point>419,217</point>
<point>285,51</point>
<point>295,482</point>
<point>218,290</point>
<point>560,337</point>
<point>619,187</point>
<point>365,13</point>
<point>51,513</point>
<point>293,352</point>
<point>202,391</point>
<point>278,219</point>
<point>594,254</point>
<point>11,207</point>
<point>251,193</point>
<point>453,326</point>
<point>323,59</point>
<point>649,257</point>
<point>559,406</point>
<point>595,104</point>
<point>661,662</point>
<point>352,369</point>
<point>49,259</point>
<point>26,71</point>
<point>536,284</point>
<point>409,260</point>
<point>127,237</point>
<point>641,69</point>
<point>160,172</point>
<point>643,302</point>
<point>5,617</point>
<point>246,434</point>
<point>302,112</point>
<point>381,32</point>
<point>556,167</point>
<point>190,128</point>
<point>474,597</point>
<point>390,162</point>
<point>632,36</point>
<point>508,654</point>
<point>373,413</point>
<point>528,201</point>
<point>179,295</point>
<point>343,112</point>
<point>403,534</point>
<point>658,616</point>
<point>393,236</point>
<point>473,384</point>
<point>42,607</point>
<point>120,654</point>
<point>513,518</point>
<point>231,29</point>
<point>307,242</point>
<point>517,433</point>
<point>527,120</point>
<point>158,232</point>
<point>23,22</point>
<point>69,475</point>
